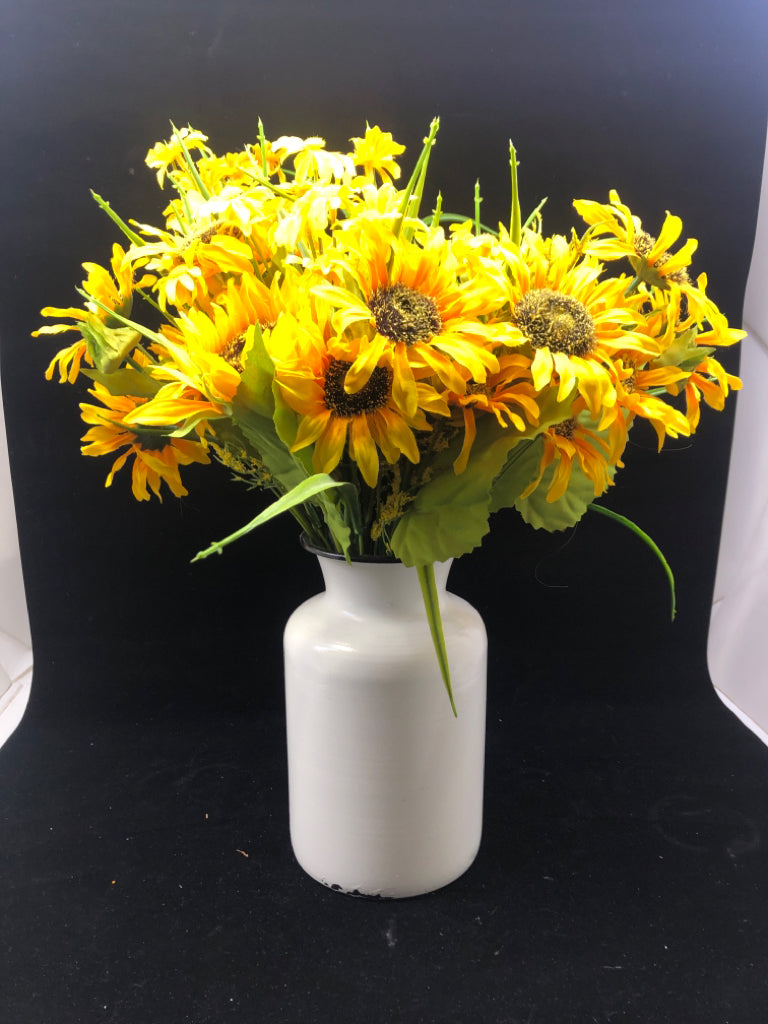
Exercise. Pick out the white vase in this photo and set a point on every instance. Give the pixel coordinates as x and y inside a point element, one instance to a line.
<point>385,783</point>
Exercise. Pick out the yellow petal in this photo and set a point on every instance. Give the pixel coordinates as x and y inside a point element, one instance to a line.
<point>363,450</point>
<point>330,445</point>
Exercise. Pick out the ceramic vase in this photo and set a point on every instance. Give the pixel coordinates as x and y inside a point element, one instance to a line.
<point>385,782</point>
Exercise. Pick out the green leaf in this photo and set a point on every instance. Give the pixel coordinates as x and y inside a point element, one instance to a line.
<point>449,516</point>
<point>261,435</point>
<point>684,352</point>
<point>412,193</point>
<point>563,513</point>
<point>570,506</point>
<point>255,388</point>
<point>432,609</point>
<point>520,469</point>
<point>108,346</point>
<point>300,494</point>
<point>634,528</point>
<point>460,218</point>
<point>125,382</point>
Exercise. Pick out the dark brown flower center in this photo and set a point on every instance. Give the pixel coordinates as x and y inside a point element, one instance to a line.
<point>220,228</point>
<point>644,243</point>
<point>232,352</point>
<point>373,395</point>
<point>555,321</point>
<point>565,429</point>
<point>404,314</point>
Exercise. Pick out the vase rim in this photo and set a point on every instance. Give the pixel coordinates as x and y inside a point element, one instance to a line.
<point>307,544</point>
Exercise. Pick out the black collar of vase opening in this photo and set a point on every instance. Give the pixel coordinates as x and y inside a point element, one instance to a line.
<point>310,547</point>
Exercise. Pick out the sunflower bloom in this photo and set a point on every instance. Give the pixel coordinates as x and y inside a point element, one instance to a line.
<point>573,323</point>
<point>617,234</point>
<point>207,348</point>
<point>635,396</point>
<point>509,395</point>
<point>156,458</point>
<point>571,442</point>
<point>363,423</point>
<point>406,296</point>
<point>111,290</point>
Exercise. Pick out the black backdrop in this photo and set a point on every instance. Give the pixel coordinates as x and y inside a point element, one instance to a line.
<point>143,659</point>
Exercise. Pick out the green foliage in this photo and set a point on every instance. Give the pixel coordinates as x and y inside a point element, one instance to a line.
<point>269,426</point>
<point>634,528</point>
<point>124,382</point>
<point>563,513</point>
<point>520,469</point>
<point>109,347</point>
<point>449,515</point>
<point>299,495</point>
<point>432,609</point>
<point>684,352</point>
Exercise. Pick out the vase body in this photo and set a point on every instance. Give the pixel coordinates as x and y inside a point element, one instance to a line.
<point>385,783</point>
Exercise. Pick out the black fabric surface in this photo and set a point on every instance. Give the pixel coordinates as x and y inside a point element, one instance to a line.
<point>146,875</point>
<point>147,870</point>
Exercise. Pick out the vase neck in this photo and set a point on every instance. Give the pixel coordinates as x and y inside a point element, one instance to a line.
<point>377,586</point>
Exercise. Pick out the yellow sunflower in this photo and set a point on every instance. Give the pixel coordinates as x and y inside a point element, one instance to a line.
<point>112,290</point>
<point>509,395</point>
<point>203,353</point>
<point>616,233</point>
<point>572,442</point>
<point>156,457</point>
<point>191,262</point>
<point>405,296</point>
<point>311,368</point>
<point>637,390</point>
<point>573,322</point>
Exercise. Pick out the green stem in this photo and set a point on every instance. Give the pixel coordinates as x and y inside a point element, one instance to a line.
<point>531,217</point>
<point>191,164</point>
<point>151,335</point>
<point>263,148</point>
<point>515,232</point>
<point>411,194</point>
<point>151,301</point>
<point>646,539</point>
<point>459,218</point>
<point>130,234</point>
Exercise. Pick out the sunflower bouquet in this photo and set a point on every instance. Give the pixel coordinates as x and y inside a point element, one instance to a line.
<point>393,378</point>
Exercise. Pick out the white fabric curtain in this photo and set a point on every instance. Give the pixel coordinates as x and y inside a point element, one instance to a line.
<point>15,642</point>
<point>738,635</point>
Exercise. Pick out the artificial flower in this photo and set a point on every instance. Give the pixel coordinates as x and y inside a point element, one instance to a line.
<point>156,456</point>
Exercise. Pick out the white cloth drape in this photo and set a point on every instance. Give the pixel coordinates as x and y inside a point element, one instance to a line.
<point>738,635</point>
<point>15,642</point>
